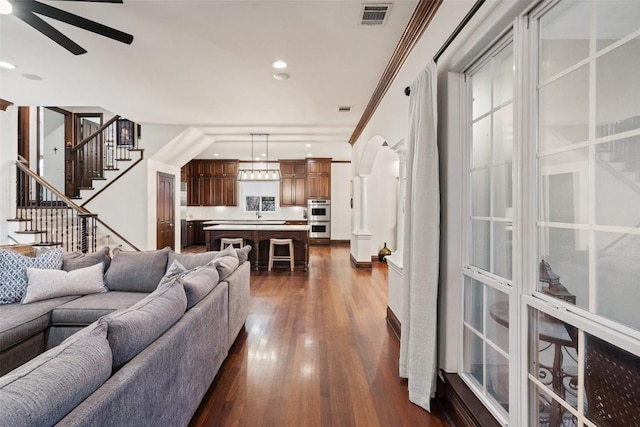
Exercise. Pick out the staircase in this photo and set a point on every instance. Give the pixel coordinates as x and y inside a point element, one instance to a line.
<point>47,216</point>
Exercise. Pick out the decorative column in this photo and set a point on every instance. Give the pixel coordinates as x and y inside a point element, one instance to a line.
<point>361,239</point>
<point>394,261</point>
<point>402,178</point>
<point>364,209</point>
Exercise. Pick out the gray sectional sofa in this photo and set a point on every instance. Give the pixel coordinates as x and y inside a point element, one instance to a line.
<point>143,353</point>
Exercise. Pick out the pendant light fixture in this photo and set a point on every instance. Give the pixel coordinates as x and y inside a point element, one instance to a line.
<point>260,174</point>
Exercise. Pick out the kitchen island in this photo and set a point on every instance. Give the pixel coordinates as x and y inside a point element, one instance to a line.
<point>258,237</point>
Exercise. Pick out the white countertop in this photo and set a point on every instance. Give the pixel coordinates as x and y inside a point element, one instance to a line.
<point>264,227</point>
<point>245,221</point>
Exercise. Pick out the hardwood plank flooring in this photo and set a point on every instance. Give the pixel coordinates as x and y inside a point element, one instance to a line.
<point>315,351</point>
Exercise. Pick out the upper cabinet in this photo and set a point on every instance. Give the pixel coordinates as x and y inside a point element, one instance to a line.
<point>293,183</point>
<point>319,178</point>
<point>212,183</point>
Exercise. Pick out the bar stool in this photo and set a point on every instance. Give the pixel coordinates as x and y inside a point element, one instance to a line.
<point>272,257</point>
<point>225,241</point>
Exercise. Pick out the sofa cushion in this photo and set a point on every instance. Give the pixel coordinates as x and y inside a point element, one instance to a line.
<point>19,322</point>
<point>133,329</point>
<point>243,254</point>
<point>136,271</point>
<point>45,389</point>
<point>190,261</point>
<point>197,282</point>
<point>75,260</point>
<point>226,262</point>
<point>89,308</point>
<point>13,271</point>
<point>47,284</point>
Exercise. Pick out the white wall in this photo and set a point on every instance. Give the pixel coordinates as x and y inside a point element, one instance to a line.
<point>52,149</point>
<point>8,156</point>
<point>340,201</point>
<point>383,199</point>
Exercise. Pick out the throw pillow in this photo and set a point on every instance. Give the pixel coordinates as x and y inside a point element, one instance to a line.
<point>226,262</point>
<point>132,330</point>
<point>190,261</point>
<point>136,271</point>
<point>243,254</point>
<point>75,260</point>
<point>13,272</point>
<point>197,282</point>
<point>47,284</point>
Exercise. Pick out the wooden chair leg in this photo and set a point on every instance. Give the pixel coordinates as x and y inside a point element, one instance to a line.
<point>270,256</point>
<point>291,262</point>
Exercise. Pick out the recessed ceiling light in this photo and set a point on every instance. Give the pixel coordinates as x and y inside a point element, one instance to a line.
<point>309,154</point>
<point>264,155</point>
<point>31,77</point>
<point>281,76</point>
<point>279,64</point>
<point>5,7</point>
<point>307,145</point>
<point>7,65</point>
<point>257,158</point>
<point>216,154</point>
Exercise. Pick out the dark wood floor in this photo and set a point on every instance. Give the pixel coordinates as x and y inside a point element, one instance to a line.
<point>315,351</point>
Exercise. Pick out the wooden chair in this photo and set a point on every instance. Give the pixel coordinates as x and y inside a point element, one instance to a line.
<point>224,242</point>
<point>275,242</point>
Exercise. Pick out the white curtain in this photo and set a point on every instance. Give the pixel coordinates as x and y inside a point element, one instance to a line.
<point>421,243</point>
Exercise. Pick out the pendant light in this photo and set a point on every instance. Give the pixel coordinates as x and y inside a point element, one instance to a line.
<point>260,174</point>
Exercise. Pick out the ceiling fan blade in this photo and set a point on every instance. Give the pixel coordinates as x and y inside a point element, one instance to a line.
<point>80,22</point>
<point>39,24</point>
<point>98,1</point>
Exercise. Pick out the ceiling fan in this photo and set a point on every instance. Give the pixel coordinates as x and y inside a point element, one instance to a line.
<point>27,11</point>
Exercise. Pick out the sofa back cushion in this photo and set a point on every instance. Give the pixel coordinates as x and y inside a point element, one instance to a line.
<point>197,282</point>
<point>191,261</point>
<point>13,272</point>
<point>136,271</point>
<point>45,389</point>
<point>76,260</point>
<point>131,330</point>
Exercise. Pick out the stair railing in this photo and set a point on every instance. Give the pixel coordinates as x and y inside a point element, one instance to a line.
<point>101,151</point>
<point>53,218</point>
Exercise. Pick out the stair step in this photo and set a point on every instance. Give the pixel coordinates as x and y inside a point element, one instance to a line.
<point>19,220</point>
<point>111,169</point>
<point>48,244</point>
<point>123,160</point>
<point>100,178</point>
<point>30,232</point>
<point>136,149</point>
<point>85,188</point>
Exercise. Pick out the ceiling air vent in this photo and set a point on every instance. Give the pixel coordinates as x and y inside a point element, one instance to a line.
<point>344,109</point>
<point>375,13</point>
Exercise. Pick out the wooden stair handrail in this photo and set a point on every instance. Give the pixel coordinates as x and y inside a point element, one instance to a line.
<point>21,165</point>
<point>93,135</point>
<point>111,182</point>
<point>117,234</point>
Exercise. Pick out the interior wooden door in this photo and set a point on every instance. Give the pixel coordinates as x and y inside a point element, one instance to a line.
<point>165,211</point>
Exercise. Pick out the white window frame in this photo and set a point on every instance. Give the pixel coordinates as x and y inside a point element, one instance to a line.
<point>509,287</point>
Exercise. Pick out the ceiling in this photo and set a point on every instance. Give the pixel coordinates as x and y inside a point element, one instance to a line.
<point>208,64</point>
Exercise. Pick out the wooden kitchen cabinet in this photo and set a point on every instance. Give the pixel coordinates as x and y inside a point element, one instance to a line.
<point>198,232</point>
<point>191,238</point>
<point>212,183</point>
<point>293,184</point>
<point>319,178</point>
